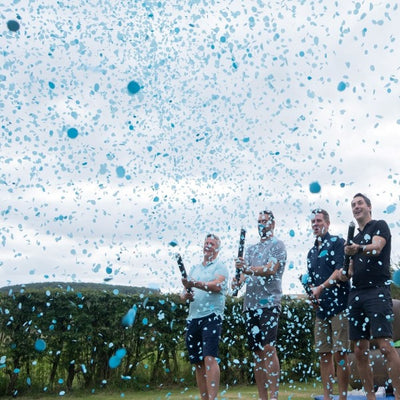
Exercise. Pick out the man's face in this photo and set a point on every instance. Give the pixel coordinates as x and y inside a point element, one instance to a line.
<point>211,247</point>
<point>360,208</point>
<point>265,226</point>
<point>319,225</point>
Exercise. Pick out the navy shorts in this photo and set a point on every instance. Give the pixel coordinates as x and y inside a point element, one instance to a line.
<point>370,313</point>
<point>202,337</point>
<point>262,327</point>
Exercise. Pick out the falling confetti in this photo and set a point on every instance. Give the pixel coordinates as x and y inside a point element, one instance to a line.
<point>131,131</point>
<point>72,133</point>
<point>13,25</point>
<point>396,277</point>
<point>315,187</point>
<point>40,345</point>
<point>129,318</point>
<point>133,87</point>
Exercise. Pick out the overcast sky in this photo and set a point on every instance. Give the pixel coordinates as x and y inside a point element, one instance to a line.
<point>241,106</point>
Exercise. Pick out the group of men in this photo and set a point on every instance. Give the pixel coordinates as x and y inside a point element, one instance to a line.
<point>344,313</point>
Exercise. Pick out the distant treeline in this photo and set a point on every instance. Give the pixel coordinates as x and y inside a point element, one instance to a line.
<point>64,337</point>
<point>78,286</point>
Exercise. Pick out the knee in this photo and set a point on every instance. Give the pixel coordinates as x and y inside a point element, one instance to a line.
<point>361,352</point>
<point>341,360</point>
<point>210,362</point>
<point>325,358</point>
<point>269,350</point>
<point>387,350</point>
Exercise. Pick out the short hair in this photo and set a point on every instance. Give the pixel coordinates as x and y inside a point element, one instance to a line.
<point>213,236</point>
<point>366,199</point>
<point>323,212</point>
<point>269,213</point>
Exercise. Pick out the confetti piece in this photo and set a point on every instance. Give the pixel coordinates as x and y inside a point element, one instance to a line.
<point>315,187</point>
<point>133,87</point>
<point>114,362</point>
<point>129,318</point>
<point>40,345</point>
<point>72,133</point>
<point>396,277</point>
<point>13,25</point>
<point>304,279</point>
<point>341,86</point>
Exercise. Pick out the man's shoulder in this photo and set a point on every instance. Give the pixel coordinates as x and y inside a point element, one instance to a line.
<point>335,240</point>
<point>278,242</point>
<point>377,226</point>
<point>220,266</point>
<point>253,247</point>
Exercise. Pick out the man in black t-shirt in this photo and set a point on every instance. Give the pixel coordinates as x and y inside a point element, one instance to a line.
<point>370,302</point>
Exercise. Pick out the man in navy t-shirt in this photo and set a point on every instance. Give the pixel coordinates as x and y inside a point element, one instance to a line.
<point>331,337</point>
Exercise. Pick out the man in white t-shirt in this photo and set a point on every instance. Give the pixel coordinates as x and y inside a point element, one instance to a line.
<point>207,282</point>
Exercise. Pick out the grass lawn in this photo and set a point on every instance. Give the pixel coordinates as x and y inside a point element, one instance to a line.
<point>292,391</point>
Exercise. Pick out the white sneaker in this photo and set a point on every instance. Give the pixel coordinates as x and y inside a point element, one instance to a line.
<point>355,392</point>
<point>381,392</point>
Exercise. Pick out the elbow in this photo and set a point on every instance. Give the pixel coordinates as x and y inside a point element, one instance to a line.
<point>217,289</point>
<point>375,252</point>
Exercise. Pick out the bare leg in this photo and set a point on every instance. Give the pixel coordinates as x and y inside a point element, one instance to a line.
<point>212,377</point>
<point>361,353</point>
<point>327,374</point>
<point>342,368</point>
<point>266,372</point>
<point>201,380</point>
<point>393,363</point>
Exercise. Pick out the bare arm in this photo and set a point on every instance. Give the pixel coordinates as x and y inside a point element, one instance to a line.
<point>372,249</point>
<point>260,270</point>
<point>214,286</point>
<point>331,281</point>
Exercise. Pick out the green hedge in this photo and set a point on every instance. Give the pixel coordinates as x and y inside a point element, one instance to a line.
<point>82,332</point>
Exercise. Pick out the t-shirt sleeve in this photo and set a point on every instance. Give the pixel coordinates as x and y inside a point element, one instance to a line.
<point>221,270</point>
<point>248,256</point>
<point>382,230</point>
<point>278,252</point>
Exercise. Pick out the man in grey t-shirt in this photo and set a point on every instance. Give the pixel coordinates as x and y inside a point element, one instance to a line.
<point>261,270</point>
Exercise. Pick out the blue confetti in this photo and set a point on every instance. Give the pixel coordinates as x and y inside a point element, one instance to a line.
<point>129,318</point>
<point>390,209</point>
<point>396,277</point>
<point>72,133</point>
<point>40,345</point>
<point>13,25</point>
<point>120,171</point>
<point>304,279</point>
<point>341,86</point>
<point>315,187</point>
<point>114,362</point>
<point>133,87</point>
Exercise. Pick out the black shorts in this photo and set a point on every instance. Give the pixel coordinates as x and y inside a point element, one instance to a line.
<point>370,313</point>
<point>202,337</point>
<point>262,327</point>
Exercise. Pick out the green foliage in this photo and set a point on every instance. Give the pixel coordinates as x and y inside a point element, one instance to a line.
<point>296,339</point>
<point>82,331</point>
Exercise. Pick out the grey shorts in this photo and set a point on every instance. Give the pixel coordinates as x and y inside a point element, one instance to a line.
<point>262,327</point>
